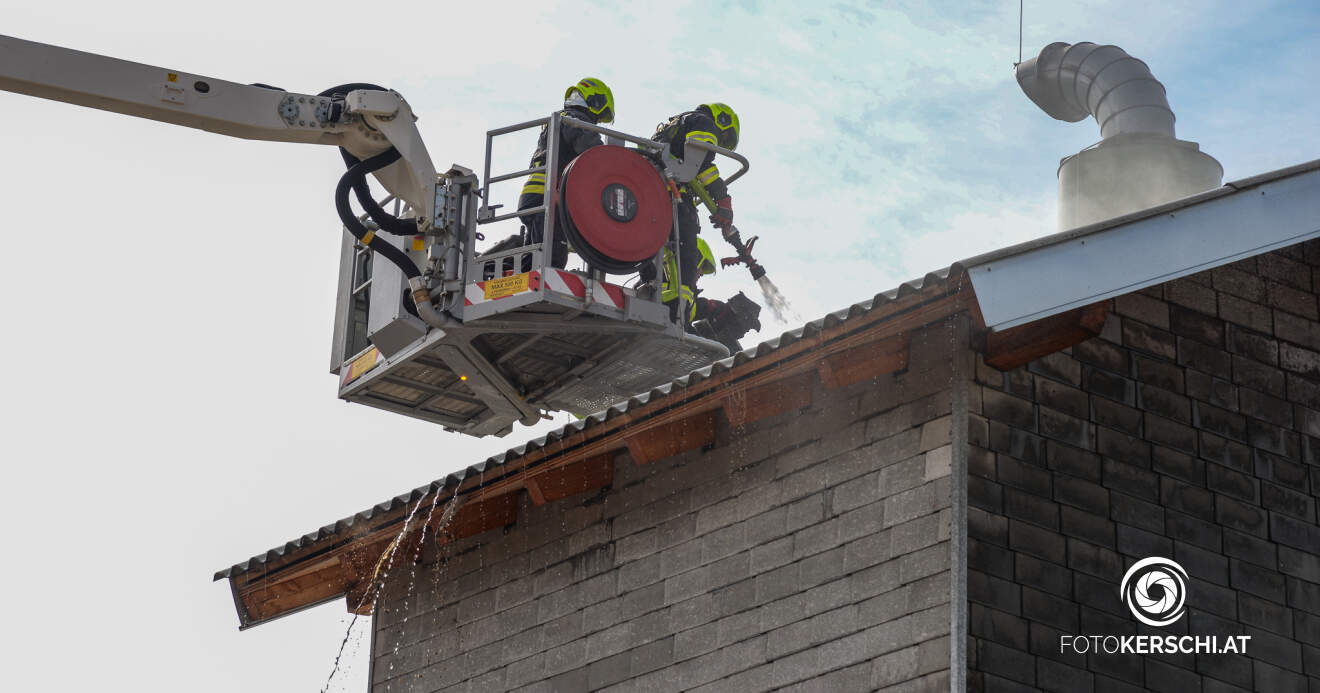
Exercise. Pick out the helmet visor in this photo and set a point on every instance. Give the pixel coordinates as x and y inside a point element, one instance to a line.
<point>600,105</point>
<point>728,128</point>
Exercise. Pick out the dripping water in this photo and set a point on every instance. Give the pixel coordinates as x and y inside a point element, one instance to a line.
<point>381,572</point>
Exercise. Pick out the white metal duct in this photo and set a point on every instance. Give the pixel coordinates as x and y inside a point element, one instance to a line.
<point>1139,163</point>
<point>1071,82</point>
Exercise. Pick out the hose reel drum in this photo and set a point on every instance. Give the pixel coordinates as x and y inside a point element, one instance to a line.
<point>614,208</point>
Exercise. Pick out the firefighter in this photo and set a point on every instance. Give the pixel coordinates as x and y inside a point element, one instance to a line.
<point>671,289</point>
<point>716,124</point>
<point>723,321</point>
<point>588,100</point>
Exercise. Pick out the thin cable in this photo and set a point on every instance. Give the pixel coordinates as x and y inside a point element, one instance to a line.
<point>1019,62</point>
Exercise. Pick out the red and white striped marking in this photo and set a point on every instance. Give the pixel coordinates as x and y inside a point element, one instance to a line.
<point>559,281</point>
<point>576,285</point>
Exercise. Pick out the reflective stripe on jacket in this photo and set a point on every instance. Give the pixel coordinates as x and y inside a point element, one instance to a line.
<point>572,142</point>
<point>697,125</point>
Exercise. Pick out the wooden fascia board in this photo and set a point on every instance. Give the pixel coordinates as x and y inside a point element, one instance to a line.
<point>658,442</point>
<point>478,515</point>
<point>571,479</point>
<point>749,405</point>
<point>864,361</point>
<point>268,601</point>
<point>354,574</point>
<point>1019,345</point>
<point>534,491</point>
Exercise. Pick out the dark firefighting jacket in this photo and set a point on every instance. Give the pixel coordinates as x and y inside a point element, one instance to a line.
<point>572,142</point>
<point>698,125</point>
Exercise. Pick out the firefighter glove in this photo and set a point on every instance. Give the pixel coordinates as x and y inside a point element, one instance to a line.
<point>722,217</point>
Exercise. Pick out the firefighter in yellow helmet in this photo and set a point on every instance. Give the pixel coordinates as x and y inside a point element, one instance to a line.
<point>588,100</point>
<point>723,321</point>
<point>671,289</point>
<point>717,124</point>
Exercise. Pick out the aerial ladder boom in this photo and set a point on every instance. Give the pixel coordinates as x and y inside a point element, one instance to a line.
<point>440,331</point>
<point>364,122</point>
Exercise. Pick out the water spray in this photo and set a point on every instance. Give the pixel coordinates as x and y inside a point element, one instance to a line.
<point>773,298</point>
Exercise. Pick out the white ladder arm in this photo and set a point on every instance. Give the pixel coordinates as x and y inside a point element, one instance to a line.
<point>227,108</point>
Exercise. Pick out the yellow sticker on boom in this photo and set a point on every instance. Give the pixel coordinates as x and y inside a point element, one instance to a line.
<point>361,364</point>
<point>507,286</point>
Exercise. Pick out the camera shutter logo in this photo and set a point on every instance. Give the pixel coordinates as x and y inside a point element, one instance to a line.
<point>1155,589</point>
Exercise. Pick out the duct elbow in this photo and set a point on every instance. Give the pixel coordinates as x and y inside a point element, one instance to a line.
<point>1139,162</point>
<point>1071,82</point>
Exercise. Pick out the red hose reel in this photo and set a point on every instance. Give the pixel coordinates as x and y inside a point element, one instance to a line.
<point>615,208</point>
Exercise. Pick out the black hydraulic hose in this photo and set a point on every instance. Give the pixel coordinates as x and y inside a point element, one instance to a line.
<point>343,89</point>
<point>357,174</point>
<point>387,222</point>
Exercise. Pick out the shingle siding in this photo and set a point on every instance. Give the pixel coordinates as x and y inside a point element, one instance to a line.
<point>807,551</point>
<point>1188,429</point>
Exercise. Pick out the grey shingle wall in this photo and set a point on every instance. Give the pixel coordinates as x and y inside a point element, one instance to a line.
<point>809,551</point>
<point>1190,429</point>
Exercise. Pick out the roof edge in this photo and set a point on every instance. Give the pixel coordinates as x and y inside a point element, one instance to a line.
<point>1082,231</point>
<point>918,300</point>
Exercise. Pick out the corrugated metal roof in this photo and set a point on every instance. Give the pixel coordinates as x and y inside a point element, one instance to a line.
<point>932,280</point>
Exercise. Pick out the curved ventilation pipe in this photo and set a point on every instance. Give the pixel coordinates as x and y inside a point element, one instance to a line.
<point>1139,163</point>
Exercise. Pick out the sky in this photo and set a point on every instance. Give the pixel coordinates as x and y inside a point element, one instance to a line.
<point>182,417</point>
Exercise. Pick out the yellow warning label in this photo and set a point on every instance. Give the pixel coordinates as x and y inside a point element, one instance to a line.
<point>507,286</point>
<point>418,244</point>
<point>362,364</point>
